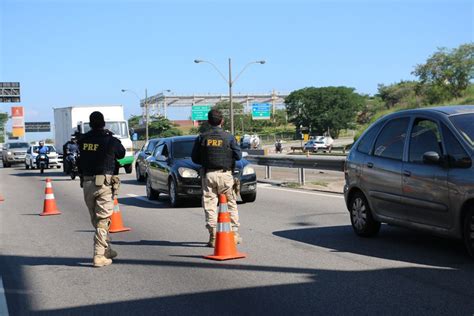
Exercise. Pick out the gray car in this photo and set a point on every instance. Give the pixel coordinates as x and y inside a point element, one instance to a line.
<point>415,169</point>
<point>14,153</point>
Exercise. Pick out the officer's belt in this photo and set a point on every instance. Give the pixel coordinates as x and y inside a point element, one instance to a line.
<point>92,178</point>
<point>218,170</point>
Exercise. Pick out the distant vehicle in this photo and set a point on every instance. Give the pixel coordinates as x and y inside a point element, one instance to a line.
<point>32,153</point>
<point>171,171</point>
<point>249,141</point>
<point>415,169</point>
<point>14,153</point>
<point>141,156</point>
<point>315,145</point>
<point>76,118</point>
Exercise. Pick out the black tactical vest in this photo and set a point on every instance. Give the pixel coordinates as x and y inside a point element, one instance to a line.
<point>97,156</point>
<point>215,150</point>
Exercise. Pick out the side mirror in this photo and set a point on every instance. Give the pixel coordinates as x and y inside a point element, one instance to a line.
<point>431,157</point>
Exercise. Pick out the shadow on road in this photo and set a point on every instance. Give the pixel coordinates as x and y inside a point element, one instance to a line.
<point>160,243</point>
<point>133,182</point>
<point>36,173</point>
<point>162,202</point>
<point>384,291</point>
<point>392,243</point>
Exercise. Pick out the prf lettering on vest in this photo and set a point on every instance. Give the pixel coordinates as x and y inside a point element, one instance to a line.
<point>214,143</point>
<point>90,147</point>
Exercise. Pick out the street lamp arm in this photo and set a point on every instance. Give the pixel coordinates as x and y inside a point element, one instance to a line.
<point>136,94</point>
<point>215,67</point>
<point>246,66</point>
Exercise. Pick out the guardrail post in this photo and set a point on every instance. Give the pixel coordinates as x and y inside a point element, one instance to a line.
<point>268,172</point>
<point>301,176</point>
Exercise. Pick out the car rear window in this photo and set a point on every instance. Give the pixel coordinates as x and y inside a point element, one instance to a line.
<point>183,149</point>
<point>367,139</point>
<point>464,123</point>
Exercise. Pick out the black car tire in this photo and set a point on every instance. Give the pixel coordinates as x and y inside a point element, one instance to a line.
<point>362,220</point>
<point>138,174</point>
<point>27,166</point>
<point>150,193</point>
<point>468,231</point>
<point>5,164</point>
<point>128,168</point>
<point>249,197</point>
<point>175,200</point>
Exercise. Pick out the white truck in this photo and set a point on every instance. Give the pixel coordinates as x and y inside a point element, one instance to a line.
<point>68,120</point>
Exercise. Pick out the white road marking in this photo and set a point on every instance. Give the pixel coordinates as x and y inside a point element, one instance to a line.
<point>3,300</point>
<point>142,198</point>
<point>270,187</point>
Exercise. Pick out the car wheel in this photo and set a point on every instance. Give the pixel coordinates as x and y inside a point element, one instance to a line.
<point>468,231</point>
<point>173,193</point>
<point>248,198</point>
<point>151,194</point>
<point>27,166</point>
<point>5,164</point>
<point>138,174</point>
<point>362,220</point>
<point>128,168</point>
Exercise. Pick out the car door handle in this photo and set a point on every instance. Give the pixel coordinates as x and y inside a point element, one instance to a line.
<point>370,164</point>
<point>406,173</point>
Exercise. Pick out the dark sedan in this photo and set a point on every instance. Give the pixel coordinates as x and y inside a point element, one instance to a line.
<point>170,170</point>
<point>141,156</point>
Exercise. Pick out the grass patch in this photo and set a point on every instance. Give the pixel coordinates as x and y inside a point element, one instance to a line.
<point>320,183</point>
<point>292,185</point>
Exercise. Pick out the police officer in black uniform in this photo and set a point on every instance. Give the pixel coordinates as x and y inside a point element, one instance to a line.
<point>99,151</point>
<point>216,151</point>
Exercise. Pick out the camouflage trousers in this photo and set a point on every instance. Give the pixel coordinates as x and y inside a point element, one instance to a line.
<point>213,184</point>
<point>100,203</point>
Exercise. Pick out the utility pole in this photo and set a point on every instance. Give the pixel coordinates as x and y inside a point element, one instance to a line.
<point>230,99</point>
<point>146,115</point>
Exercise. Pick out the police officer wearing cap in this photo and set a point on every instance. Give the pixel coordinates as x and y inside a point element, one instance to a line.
<point>216,151</point>
<point>99,151</point>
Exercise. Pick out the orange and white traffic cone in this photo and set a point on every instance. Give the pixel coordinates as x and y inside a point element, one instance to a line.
<point>2,198</point>
<point>116,223</point>
<point>49,207</point>
<point>225,244</point>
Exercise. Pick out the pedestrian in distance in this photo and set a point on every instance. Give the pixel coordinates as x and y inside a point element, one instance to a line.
<point>98,170</point>
<point>217,151</point>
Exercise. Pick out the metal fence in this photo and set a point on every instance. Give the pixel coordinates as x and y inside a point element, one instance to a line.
<point>301,163</point>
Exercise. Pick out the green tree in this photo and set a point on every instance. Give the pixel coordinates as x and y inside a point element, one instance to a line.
<point>319,109</point>
<point>447,73</point>
<point>159,126</point>
<point>402,93</point>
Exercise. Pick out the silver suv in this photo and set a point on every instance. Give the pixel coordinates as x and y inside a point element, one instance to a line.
<point>14,153</point>
<point>415,169</point>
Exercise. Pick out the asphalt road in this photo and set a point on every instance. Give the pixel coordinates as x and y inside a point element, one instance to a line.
<point>303,258</point>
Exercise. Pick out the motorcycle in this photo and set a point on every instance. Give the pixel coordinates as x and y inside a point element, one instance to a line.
<point>42,162</point>
<point>72,161</point>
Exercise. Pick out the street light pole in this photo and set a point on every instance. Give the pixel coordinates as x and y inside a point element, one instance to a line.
<point>230,99</point>
<point>230,82</point>
<point>147,118</point>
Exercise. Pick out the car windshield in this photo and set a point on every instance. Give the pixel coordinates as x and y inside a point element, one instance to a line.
<point>118,128</point>
<point>464,123</point>
<point>18,145</point>
<point>50,148</point>
<point>183,149</point>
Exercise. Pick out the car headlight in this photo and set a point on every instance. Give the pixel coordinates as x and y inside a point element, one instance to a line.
<point>248,170</point>
<point>187,172</point>
<point>9,153</point>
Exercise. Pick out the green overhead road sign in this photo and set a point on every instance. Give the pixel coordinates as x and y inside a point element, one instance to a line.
<point>261,111</point>
<point>199,112</point>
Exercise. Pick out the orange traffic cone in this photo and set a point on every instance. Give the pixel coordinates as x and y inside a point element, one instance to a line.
<point>49,207</point>
<point>2,198</point>
<point>225,244</point>
<point>116,224</point>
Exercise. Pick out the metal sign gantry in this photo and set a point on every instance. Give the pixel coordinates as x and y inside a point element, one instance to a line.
<point>158,104</point>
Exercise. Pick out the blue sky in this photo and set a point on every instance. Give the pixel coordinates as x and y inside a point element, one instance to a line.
<point>83,52</point>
